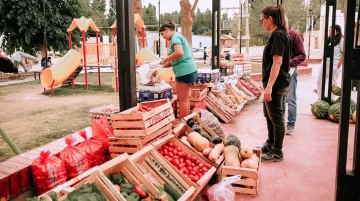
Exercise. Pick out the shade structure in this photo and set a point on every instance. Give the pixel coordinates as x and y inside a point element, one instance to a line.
<point>137,19</point>
<point>83,24</point>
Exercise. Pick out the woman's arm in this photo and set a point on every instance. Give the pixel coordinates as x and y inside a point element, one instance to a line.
<point>167,65</point>
<point>177,54</point>
<point>275,69</point>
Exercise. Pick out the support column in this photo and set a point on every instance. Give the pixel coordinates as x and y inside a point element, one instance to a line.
<point>84,61</point>
<point>126,53</point>
<point>98,56</point>
<point>216,34</point>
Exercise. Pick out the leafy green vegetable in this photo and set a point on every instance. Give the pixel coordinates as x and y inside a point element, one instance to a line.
<point>117,178</point>
<point>86,192</point>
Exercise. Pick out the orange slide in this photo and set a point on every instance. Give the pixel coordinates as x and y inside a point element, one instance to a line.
<point>57,74</point>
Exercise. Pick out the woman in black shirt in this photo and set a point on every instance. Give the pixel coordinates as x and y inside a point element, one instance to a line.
<point>276,79</point>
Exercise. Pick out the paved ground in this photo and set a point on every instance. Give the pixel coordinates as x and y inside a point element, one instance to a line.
<point>309,169</point>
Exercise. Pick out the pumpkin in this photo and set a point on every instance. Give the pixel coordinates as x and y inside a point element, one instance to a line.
<point>353,116</point>
<point>246,153</point>
<point>231,140</point>
<point>231,154</point>
<point>336,90</point>
<point>320,109</point>
<point>249,163</point>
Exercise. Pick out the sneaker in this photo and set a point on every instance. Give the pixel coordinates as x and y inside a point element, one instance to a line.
<point>266,147</point>
<point>289,130</point>
<point>274,155</point>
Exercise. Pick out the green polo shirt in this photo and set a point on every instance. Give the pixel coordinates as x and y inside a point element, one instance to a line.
<point>186,64</point>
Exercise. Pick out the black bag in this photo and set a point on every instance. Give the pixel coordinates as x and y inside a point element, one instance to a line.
<point>7,66</point>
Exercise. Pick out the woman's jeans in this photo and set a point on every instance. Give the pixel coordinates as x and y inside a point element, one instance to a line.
<point>290,99</point>
<point>273,112</point>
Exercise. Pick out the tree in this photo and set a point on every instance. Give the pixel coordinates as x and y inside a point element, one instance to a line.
<point>149,13</point>
<point>22,24</point>
<point>187,19</point>
<point>174,16</point>
<point>98,12</point>
<point>112,12</point>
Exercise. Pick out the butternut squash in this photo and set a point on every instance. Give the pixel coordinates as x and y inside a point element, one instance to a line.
<point>216,152</point>
<point>231,153</point>
<point>249,163</point>
<point>255,158</point>
<point>185,141</point>
<point>207,151</point>
<point>197,141</point>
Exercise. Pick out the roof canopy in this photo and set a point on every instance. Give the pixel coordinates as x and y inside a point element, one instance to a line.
<point>83,24</point>
<point>137,20</point>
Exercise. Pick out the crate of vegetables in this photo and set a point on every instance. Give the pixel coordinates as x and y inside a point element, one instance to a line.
<point>160,174</point>
<point>197,93</point>
<point>246,163</point>
<point>212,154</point>
<point>130,145</point>
<point>250,86</point>
<point>185,162</point>
<point>142,120</point>
<point>127,182</point>
<point>87,185</point>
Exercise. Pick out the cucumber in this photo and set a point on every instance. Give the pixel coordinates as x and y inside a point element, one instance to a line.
<point>129,188</point>
<point>172,192</point>
<point>162,190</point>
<point>124,194</point>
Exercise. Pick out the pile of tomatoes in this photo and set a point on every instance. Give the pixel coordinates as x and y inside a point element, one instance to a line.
<point>141,109</point>
<point>189,165</point>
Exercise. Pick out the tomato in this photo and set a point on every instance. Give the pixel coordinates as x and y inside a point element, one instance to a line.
<point>171,154</point>
<point>182,160</point>
<point>193,164</point>
<point>196,169</point>
<point>193,172</point>
<point>179,149</point>
<point>166,152</point>
<point>175,152</point>
<point>196,178</point>
<point>161,152</point>
<point>186,171</point>
<point>171,149</point>
<point>189,168</point>
<point>205,169</point>
<point>188,163</point>
<point>201,170</point>
<point>200,165</point>
<point>197,162</point>
<point>171,144</point>
<point>208,166</point>
<point>181,165</point>
<point>193,158</point>
<point>175,156</point>
<point>183,171</point>
<point>188,156</point>
<point>201,174</point>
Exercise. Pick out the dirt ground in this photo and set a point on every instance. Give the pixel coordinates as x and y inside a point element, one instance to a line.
<point>32,119</point>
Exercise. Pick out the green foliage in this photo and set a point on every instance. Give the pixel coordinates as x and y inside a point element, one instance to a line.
<point>202,22</point>
<point>22,24</point>
<point>149,16</point>
<point>174,16</point>
<point>112,12</point>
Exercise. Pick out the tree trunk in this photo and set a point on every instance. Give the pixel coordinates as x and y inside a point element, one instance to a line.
<point>43,51</point>
<point>138,9</point>
<point>187,19</point>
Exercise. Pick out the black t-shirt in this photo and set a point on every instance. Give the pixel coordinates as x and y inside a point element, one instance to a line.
<point>278,44</point>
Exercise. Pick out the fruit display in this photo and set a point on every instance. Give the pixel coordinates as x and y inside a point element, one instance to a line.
<point>189,165</point>
<point>254,90</point>
<point>244,157</point>
<point>336,90</point>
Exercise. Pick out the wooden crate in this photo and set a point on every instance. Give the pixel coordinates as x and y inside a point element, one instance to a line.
<point>154,167</point>
<point>105,110</point>
<point>127,124</point>
<point>91,176</point>
<point>202,182</point>
<point>203,125</point>
<point>121,164</point>
<point>219,103</point>
<point>183,130</point>
<point>198,93</point>
<point>130,145</point>
<point>239,186</point>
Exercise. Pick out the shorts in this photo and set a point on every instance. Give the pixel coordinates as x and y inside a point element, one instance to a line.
<point>187,79</point>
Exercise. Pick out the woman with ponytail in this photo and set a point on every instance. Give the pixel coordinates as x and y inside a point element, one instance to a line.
<point>276,79</point>
<point>180,58</point>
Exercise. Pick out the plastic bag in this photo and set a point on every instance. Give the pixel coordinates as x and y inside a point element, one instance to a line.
<point>75,159</point>
<point>213,122</point>
<point>48,171</point>
<point>94,150</point>
<point>223,191</point>
<point>106,126</point>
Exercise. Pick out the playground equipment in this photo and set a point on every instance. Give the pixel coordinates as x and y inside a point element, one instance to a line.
<point>52,77</point>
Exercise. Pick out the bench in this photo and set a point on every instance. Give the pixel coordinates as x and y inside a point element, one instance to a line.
<point>37,74</point>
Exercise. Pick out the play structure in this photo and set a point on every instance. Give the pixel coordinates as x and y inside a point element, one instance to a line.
<point>92,55</point>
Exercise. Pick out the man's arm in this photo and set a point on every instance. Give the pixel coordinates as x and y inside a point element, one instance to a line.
<point>300,55</point>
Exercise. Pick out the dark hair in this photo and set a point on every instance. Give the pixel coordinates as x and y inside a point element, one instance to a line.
<point>43,59</point>
<point>170,25</point>
<point>278,14</point>
<point>337,38</point>
<point>49,57</point>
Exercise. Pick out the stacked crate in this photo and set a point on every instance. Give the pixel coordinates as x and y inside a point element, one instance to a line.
<point>241,63</point>
<point>134,129</point>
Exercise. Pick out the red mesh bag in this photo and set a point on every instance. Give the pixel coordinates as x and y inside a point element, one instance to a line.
<point>99,133</point>
<point>75,159</point>
<point>106,125</point>
<point>94,150</point>
<point>48,171</point>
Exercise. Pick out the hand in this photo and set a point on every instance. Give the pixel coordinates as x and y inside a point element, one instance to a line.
<point>162,62</point>
<point>267,94</point>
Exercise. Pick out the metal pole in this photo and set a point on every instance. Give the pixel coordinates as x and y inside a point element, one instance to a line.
<point>309,37</point>
<point>159,29</point>
<point>10,142</point>
<point>241,16</point>
<point>45,39</point>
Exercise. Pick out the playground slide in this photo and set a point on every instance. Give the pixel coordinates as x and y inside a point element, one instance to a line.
<point>57,74</point>
<point>145,55</point>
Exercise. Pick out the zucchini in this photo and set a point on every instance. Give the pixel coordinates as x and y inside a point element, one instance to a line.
<point>124,194</point>
<point>129,188</point>
<point>172,192</point>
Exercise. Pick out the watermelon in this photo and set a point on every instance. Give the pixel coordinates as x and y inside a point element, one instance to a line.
<point>336,90</point>
<point>320,109</point>
<point>352,104</point>
<point>334,112</point>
